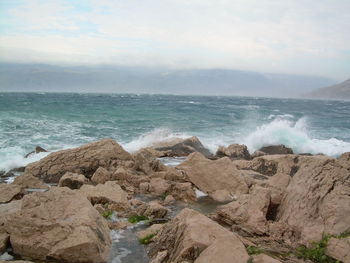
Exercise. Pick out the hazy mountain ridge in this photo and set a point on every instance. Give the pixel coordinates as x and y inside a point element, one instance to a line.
<point>338,91</point>
<point>122,79</point>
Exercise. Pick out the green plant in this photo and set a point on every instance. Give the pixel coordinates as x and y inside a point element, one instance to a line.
<point>136,219</point>
<point>344,234</point>
<point>147,239</point>
<point>107,214</point>
<point>250,260</point>
<point>252,250</point>
<point>316,252</point>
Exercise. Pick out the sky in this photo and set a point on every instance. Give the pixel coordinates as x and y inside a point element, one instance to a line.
<point>290,36</point>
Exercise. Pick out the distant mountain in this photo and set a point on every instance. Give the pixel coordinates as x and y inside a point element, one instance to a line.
<point>123,79</point>
<point>338,91</point>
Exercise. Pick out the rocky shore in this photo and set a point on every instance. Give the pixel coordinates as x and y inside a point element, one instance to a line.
<point>269,206</point>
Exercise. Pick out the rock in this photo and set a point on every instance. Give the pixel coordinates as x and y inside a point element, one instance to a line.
<point>263,258</point>
<point>316,201</point>
<point>110,192</point>
<point>7,210</point>
<point>248,212</point>
<point>183,192</point>
<point>221,196</point>
<point>29,181</point>
<point>101,176</point>
<point>345,160</point>
<point>159,186</point>
<point>83,160</point>
<point>276,149</point>
<point>16,261</point>
<point>38,149</point>
<point>9,192</point>
<point>223,250</point>
<point>181,147</point>
<point>189,234</point>
<point>234,152</point>
<point>160,257</point>
<point>144,187</point>
<point>169,199</point>
<point>119,225</point>
<point>210,176</point>
<point>146,162</point>
<point>152,209</point>
<point>4,238</point>
<point>152,230</point>
<point>258,154</point>
<point>72,180</point>
<point>339,248</point>
<point>59,225</point>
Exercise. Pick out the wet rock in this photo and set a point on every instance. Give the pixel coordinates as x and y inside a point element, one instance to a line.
<point>38,149</point>
<point>108,193</point>
<point>169,199</point>
<point>190,234</point>
<point>339,248</point>
<point>234,152</point>
<point>29,181</point>
<point>101,176</point>
<point>9,192</point>
<point>317,198</point>
<point>276,149</point>
<point>152,230</point>
<point>72,180</point>
<point>59,225</point>
<point>248,212</point>
<point>4,238</point>
<point>181,147</point>
<point>263,258</point>
<point>83,160</point>
<point>152,209</point>
<point>210,176</point>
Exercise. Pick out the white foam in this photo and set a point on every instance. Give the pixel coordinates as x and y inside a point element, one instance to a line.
<point>122,253</point>
<point>116,235</point>
<point>294,135</point>
<point>13,157</point>
<point>6,256</point>
<point>199,193</point>
<point>151,138</point>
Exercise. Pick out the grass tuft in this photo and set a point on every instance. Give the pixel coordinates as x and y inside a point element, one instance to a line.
<point>147,239</point>
<point>107,214</point>
<point>252,250</point>
<point>136,219</point>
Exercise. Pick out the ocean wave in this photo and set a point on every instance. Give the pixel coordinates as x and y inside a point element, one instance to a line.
<point>294,134</point>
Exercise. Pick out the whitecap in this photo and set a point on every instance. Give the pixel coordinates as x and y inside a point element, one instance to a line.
<point>199,193</point>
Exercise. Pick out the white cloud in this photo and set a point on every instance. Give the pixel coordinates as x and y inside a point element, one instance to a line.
<point>245,34</point>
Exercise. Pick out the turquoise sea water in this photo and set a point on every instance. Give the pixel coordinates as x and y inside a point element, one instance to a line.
<point>58,121</point>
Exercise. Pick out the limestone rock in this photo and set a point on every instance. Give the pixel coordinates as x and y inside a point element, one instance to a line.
<point>189,234</point>
<point>146,162</point>
<point>234,152</point>
<point>222,196</point>
<point>339,248</point>
<point>209,175</point>
<point>248,212</point>
<point>72,180</point>
<point>181,147</point>
<point>152,230</point>
<point>4,238</point>
<point>61,225</point>
<point>263,258</point>
<point>169,199</point>
<point>38,149</point>
<point>101,176</point>
<point>317,198</point>
<point>110,192</point>
<point>6,210</point>
<point>152,209</point>
<point>29,181</point>
<point>9,192</point>
<point>83,160</point>
<point>276,149</point>
<point>183,192</point>
<point>159,186</point>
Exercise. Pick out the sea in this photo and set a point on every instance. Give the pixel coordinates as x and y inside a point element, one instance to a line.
<point>57,121</point>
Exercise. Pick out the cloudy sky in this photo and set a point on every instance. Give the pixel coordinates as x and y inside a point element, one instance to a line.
<point>289,36</point>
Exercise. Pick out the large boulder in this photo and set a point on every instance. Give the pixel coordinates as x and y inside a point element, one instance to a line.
<point>9,192</point>
<point>28,181</point>
<point>247,214</point>
<point>181,147</point>
<point>101,175</point>
<point>61,225</point>
<point>193,237</point>
<point>276,149</point>
<point>317,199</point>
<point>145,161</point>
<point>234,152</point>
<point>83,160</point>
<point>212,175</point>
